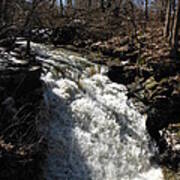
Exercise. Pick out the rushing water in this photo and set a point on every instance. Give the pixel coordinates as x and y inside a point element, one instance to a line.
<point>95,132</point>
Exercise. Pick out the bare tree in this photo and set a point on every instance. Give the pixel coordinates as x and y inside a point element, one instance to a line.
<point>168,18</point>
<point>173,10</point>
<point>109,3</point>
<point>3,11</point>
<point>89,3</point>
<point>61,7</point>
<point>69,3</point>
<point>176,29</point>
<point>146,9</point>
<point>29,21</point>
<point>102,5</point>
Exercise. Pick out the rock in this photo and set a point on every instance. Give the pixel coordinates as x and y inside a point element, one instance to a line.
<point>8,36</point>
<point>95,46</point>
<point>121,50</point>
<point>150,83</point>
<point>20,100</point>
<point>9,108</point>
<point>120,74</point>
<point>64,35</point>
<point>8,102</point>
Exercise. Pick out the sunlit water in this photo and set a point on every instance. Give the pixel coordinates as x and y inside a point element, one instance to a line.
<point>95,132</point>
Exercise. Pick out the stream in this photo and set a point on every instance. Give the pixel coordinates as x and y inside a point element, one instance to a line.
<point>94,131</point>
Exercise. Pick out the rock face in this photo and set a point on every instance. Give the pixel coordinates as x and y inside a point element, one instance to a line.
<point>41,35</point>
<point>120,47</point>
<point>63,35</point>
<point>8,36</point>
<point>158,89</point>
<point>20,142</point>
<point>153,78</point>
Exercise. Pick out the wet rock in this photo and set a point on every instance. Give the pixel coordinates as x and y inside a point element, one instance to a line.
<point>120,74</point>
<point>40,35</point>
<point>63,35</point>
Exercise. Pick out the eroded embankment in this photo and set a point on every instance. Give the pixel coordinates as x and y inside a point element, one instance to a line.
<point>21,145</point>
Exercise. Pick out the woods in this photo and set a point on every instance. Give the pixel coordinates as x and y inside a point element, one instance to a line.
<point>51,14</point>
<point>138,41</point>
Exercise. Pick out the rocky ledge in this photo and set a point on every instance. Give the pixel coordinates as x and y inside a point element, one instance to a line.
<point>154,79</point>
<point>22,148</point>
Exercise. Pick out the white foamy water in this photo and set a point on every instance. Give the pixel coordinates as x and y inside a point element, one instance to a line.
<point>95,132</point>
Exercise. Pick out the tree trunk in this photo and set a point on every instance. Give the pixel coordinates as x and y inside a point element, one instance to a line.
<point>89,3</point>
<point>61,7</point>
<point>173,9</point>
<point>102,6</point>
<point>109,4</point>
<point>162,11</point>
<point>3,11</point>
<point>146,10</point>
<point>69,3</point>
<point>168,18</point>
<point>175,33</point>
<point>28,43</point>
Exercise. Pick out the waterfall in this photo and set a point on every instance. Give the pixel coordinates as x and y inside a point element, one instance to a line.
<point>95,132</point>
